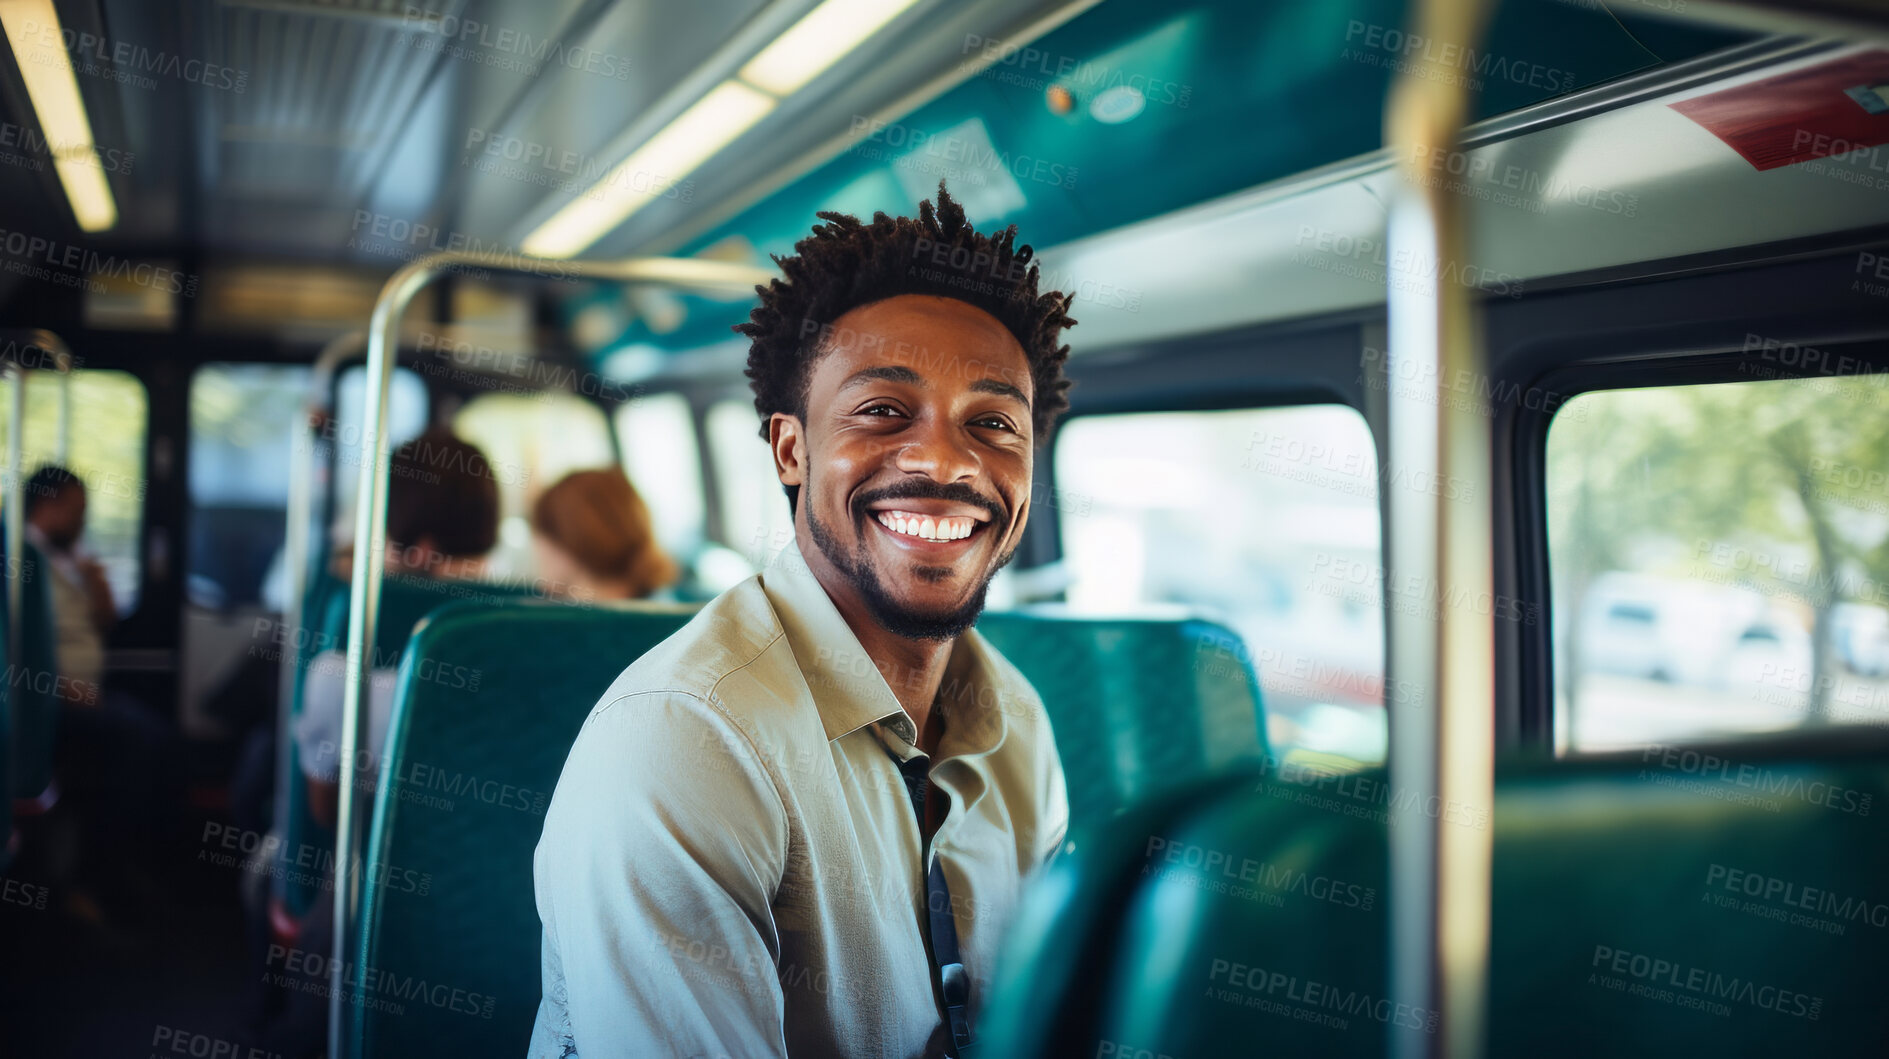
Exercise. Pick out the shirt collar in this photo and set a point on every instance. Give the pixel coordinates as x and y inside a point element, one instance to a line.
<point>850,691</point>
<point>846,685</point>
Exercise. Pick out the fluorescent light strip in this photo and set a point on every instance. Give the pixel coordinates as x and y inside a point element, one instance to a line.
<point>32,28</point>
<point>712,123</point>
<point>808,48</point>
<point>817,41</point>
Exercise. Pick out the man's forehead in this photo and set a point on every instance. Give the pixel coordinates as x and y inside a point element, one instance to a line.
<point>937,339</point>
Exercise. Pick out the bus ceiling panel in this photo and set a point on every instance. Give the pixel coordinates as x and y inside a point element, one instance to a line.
<point>351,111</point>
<point>1637,183</point>
<point>924,51</point>
<point>1131,111</point>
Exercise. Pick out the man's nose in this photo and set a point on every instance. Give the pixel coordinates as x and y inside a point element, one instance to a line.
<point>936,450</point>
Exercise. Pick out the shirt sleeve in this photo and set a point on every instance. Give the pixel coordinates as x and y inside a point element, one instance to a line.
<point>662,850</point>
<point>318,729</point>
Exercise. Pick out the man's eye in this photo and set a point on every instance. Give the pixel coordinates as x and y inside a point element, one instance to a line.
<point>996,422</point>
<point>880,410</point>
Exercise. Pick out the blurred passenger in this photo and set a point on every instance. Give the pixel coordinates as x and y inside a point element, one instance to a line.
<point>114,758</point>
<point>442,519</point>
<point>594,540</point>
<point>83,611</point>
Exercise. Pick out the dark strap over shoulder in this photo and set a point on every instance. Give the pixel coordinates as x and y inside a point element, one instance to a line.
<point>948,973</point>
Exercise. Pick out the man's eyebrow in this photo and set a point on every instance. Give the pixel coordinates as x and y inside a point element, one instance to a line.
<point>886,372</point>
<point>1001,389</point>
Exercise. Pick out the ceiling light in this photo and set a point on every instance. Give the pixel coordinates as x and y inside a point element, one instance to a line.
<point>653,169</point>
<point>818,41</point>
<point>32,28</point>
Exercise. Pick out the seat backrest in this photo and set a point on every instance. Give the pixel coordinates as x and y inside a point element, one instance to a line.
<point>297,829</point>
<point>1139,705</point>
<point>404,601</point>
<point>488,704</point>
<point>1676,901</point>
<point>6,737</point>
<point>33,681</point>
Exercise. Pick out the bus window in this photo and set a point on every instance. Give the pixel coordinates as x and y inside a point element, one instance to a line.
<point>242,420</point>
<point>657,433</point>
<point>406,417</point>
<point>1255,518</point>
<point>531,441</point>
<point>755,519</point>
<point>109,419</point>
<point>1719,557</point>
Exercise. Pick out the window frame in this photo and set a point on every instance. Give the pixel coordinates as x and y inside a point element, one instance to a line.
<point>140,538</point>
<point>1708,365</point>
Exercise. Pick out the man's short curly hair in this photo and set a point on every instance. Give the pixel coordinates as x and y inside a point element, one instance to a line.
<point>845,264</point>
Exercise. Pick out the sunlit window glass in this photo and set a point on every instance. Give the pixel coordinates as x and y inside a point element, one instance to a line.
<point>1263,519</point>
<point>755,518</point>
<point>657,434</point>
<point>531,441</point>
<point>242,421</point>
<point>106,435</point>
<point>1720,560</point>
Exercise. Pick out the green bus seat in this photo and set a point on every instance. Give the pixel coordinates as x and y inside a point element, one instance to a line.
<point>6,741</point>
<point>1724,901</point>
<point>33,681</point>
<point>488,704</point>
<point>292,820</point>
<point>1139,705</point>
<point>404,601</point>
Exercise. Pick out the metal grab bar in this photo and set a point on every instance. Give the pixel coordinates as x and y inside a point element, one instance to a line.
<point>11,367</point>
<point>370,518</point>
<point>295,557</point>
<point>1442,751</point>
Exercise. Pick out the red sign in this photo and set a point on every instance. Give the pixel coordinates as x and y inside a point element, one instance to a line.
<point>1832,108</point>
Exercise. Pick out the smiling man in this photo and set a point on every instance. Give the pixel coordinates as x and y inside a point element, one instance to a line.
<point>799,825</point>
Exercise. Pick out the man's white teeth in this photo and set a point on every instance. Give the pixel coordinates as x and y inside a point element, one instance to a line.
<point>926,526</point>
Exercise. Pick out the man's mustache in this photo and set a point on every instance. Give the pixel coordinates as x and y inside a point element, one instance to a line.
<point>918,489</point>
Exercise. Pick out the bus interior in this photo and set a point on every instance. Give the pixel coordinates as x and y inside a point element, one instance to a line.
<point>1459,586</point>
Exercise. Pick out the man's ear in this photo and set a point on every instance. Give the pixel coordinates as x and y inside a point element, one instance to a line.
<point>786,436</point>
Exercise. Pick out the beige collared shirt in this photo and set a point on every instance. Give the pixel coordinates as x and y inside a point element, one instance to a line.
<point>731,865</point>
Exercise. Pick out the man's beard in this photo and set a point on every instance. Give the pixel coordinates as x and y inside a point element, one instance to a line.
<point>897,618</point>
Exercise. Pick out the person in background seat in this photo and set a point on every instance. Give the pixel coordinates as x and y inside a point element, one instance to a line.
<point>83,611</point>
<point>594,541</point>
<point>116,760</point>
<point>442,519</point>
